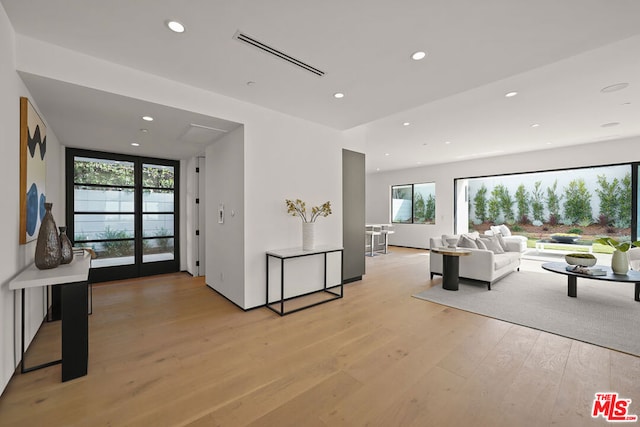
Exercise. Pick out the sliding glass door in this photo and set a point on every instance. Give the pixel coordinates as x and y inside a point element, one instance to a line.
<point>635,202</point>
<point>124,208</point>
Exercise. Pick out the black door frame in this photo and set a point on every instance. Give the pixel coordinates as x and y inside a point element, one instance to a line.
<point>138,269</point>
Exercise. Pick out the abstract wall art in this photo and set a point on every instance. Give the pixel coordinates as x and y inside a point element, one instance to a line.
<point>33,171</point>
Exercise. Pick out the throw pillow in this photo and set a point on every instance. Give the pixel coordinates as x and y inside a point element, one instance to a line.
<point>501,241</point>
<point>467,242</point>
<point>504,230</point>
<point>481,244</point>
<point>473,235</point>
<point>492,244</point>
<point>495,229</point>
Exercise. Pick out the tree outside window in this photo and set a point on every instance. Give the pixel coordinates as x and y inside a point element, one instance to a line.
<point>413,203</point>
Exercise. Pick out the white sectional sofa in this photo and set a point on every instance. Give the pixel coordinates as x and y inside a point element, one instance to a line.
<point>507,236</point>
<point>484,264</point>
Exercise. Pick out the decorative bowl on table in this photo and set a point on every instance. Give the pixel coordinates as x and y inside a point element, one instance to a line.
<point>581,259</point>
<point>565,237</point>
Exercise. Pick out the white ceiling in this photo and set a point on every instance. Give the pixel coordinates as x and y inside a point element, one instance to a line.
<point>556,54</point>
<point>91,119</point>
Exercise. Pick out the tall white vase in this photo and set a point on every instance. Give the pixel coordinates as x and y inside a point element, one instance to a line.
<point>308,236</point>
<point>620,262</point>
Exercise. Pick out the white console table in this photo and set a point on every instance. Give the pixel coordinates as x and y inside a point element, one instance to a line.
<point>73,280</point>
<point>287,254</point>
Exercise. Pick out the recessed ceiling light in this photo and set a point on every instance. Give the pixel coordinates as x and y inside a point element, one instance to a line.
<point>147,118</point>
<point>535,125</point>
<point>406,124</point>
<point>175,26</point>
<point>387,154</point>
<point>614,88</point>
<point>250,83</point>
<point>447,142</point>
<point>377,169</point>
<point>510,94</point>
<point>135,144</point>
<point>338,95</point>
<point>419,163</point>
<point>610,125</point>
<point>548,143</point>
<point>417,56</point>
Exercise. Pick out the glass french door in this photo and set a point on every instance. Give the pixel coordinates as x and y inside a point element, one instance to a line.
<point>125,209</point>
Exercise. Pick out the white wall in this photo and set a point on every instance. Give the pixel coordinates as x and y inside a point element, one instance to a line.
<point>225,244</point>
<point>417,235</point>
<point>284,157</point>
<point>287,158</point>
<point>13,256</point>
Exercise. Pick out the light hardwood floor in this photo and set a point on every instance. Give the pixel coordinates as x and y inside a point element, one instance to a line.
<point>168,351</point>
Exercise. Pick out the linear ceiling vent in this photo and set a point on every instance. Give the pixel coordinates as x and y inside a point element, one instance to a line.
<point>275,52</point>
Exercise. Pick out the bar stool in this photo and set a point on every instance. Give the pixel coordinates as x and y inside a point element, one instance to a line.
<point>386,230</point>
<point>372,231</point>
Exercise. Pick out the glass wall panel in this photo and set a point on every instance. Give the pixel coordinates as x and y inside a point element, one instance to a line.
<point>586,203</point>
<point>103,227</point>
<point>103,199</point>
<point>157,201</point>
<point>157,249</point>
<point>157,176</point>
<point>413,203</point>
<point>118,252</point>
<point>401,203</point>
<point>637,236</point>
<point>102,171</point>
<point>161,225</point>
<point>424,203</point>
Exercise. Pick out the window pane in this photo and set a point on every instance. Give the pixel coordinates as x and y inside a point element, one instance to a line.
<point>158,249</point>
<point>118,252</point>
<point>157,225</point>
<point>424,203</point>
<point>589,202</point>
<point>157,201</point>
<point>157,176</point>
<point>100,199</point>
<point>401,203</point>
<point>103,226</point>
<point>101,171</point>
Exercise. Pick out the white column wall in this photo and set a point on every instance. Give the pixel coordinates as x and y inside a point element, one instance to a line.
<point>417,235</point>
<point>225,244</point>
<point>301,160</point>
<point>13,256</point>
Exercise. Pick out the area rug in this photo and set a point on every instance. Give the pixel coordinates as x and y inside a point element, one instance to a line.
<point>604,313</point>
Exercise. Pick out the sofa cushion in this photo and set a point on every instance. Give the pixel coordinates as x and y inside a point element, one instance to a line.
<point>501,261</point>
<point>501,229</point>
<point>467,242</point>
<point>492,244</point>
<point>501,241</point>
<point>481,244</point>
